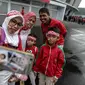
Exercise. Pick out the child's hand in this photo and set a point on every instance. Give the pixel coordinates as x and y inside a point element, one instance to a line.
<point>13,79</point>
<point>54,79</point>
<point>35,73</point>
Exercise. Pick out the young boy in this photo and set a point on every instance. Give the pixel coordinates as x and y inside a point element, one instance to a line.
<point>51,59</point>
<point>31,48</point>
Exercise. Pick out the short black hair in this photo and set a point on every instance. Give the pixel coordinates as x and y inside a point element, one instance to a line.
<point>33,35</point>
<point>44,10</point>
<point>55,29</point>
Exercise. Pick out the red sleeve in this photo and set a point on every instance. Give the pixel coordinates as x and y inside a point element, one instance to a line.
<point>19,31</point>
<point>62,28</point>
<point>60,63</point>
<point>38,61</point>
<point>36,52</point>
<point>19,44</point>
<point>42,27</point>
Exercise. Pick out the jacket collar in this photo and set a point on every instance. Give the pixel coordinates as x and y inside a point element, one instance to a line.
<point>53,46</point>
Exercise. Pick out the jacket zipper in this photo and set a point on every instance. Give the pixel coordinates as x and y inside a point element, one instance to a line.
<point>48,61</point>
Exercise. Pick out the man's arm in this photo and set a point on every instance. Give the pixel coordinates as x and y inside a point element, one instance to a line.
<point>62,28</point>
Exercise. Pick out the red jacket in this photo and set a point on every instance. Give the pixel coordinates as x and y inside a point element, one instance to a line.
<point>50,61</point>
<point>58,24</point>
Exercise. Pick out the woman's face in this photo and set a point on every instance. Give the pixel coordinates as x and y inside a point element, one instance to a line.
<point>31,21</point>
<point>14,25</point>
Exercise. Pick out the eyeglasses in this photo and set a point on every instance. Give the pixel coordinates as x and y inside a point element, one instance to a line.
<point>15,22</point>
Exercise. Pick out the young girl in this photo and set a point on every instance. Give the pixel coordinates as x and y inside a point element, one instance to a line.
<point>51,59</point>
<point>31,48</point>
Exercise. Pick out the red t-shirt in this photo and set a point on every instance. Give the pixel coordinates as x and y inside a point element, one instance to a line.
<point>33,50</point>
<point>58,24</point>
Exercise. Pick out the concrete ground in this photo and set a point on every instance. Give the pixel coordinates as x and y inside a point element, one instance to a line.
<point>75,42</point>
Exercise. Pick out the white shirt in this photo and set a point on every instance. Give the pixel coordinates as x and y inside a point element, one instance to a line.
<point>23,35</point>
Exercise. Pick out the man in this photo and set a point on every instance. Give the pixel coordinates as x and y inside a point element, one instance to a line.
<point>47,21</point>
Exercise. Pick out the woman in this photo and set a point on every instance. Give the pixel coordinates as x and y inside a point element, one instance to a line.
<point>11,27</point>
<point>30,19</point>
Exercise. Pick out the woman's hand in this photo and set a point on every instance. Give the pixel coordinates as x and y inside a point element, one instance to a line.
<point>21,77</point>
<point>13,79</point>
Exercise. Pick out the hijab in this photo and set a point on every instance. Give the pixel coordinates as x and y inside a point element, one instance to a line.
<point>11,39</point>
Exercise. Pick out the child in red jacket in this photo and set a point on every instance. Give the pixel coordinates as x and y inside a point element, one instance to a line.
<point>31,48</point>
<point>51,59</point>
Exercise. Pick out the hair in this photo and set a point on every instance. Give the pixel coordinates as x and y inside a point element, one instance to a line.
<point>44,10</point>
<point>55,29</point>
<point>33,35</point>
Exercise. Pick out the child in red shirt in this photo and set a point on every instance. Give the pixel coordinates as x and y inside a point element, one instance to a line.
<point>31,48</point>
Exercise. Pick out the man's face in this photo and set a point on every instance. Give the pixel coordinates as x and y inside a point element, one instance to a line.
<point>44,18</point>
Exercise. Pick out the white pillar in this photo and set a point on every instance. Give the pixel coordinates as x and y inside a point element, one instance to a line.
<point>9,5</point>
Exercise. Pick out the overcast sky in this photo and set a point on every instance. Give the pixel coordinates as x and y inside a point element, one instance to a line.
<point>82,4</point>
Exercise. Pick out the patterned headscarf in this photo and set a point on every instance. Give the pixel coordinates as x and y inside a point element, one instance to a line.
<point>27,16</point>
<point>11,39</point>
